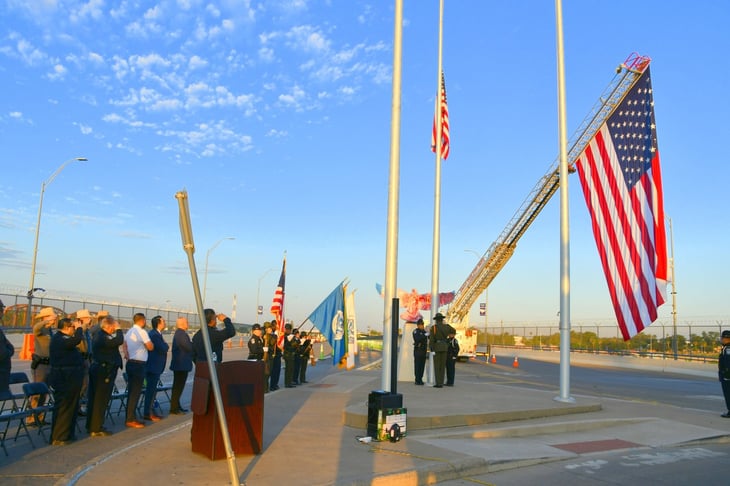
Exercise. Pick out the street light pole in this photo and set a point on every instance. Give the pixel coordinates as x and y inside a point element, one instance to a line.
<point>207,256</point>
<point>258,292</point>
<point>31,287</point>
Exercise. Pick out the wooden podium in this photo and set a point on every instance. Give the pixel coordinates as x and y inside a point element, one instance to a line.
<point>242,393</point>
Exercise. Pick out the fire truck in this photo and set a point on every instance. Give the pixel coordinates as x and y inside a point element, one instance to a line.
<point>467,339</point>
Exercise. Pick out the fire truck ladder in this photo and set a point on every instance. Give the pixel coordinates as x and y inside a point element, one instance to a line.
<point>496,257</point>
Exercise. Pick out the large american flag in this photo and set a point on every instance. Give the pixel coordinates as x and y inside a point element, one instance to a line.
<point>621,179</point>
<point>444,123</point>
<point>277,305</point>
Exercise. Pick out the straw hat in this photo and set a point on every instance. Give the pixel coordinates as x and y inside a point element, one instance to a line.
<point>83,314</point>
<point>102,313</point>
<point>46,312</point>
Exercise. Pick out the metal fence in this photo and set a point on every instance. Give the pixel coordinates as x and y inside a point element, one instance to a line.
<point>16,306</point>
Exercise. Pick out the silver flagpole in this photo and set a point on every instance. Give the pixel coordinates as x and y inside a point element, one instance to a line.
<point>186,230</point>
<point>564,217</point>
<point>437,183</point>
<point>391,243</point>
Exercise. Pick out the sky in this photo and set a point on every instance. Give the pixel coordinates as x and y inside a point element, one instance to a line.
<point>275,117</point>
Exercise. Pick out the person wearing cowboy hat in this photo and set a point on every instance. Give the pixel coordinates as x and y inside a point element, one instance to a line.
<point>438,340</point>
<point>41,362</point>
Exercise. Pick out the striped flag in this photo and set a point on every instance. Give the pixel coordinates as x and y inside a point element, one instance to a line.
<point>277,305</point>
<point>621,180</point>
<point>444,123</point>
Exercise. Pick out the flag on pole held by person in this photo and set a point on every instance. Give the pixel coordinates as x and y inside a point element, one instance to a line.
<point>329,318</point>
<point>277,305</point>
<point>443,120</point>
<point>622,185</point>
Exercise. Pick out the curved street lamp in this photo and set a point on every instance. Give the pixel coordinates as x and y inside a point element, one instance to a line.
<point>31,287</point>
<point>258,292</point>
<point>207,256</point>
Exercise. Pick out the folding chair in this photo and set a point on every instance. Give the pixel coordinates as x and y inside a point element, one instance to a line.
<point>11,398</point>
<point>7,418</point>
<point>161,387</point>
<point>44,404</point>
<point>116,395</point>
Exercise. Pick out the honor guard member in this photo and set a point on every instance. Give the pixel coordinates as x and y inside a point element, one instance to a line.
<point>103,373</point>
<point>290,352</point>
<point>452,355</point>
<point>256,344</point>
<point>723,364</point>
<point>275,353</point>
<point>297,358</point>
<point>270,350</point>
<point>305,354</point>
<point>217,336</point>
<point>438,339</point>
<point>420,351</point>
<point>66,377</point>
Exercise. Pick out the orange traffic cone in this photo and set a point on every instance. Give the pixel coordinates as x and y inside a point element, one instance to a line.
<point>494,359</point>
<point>515,363</point>
<point>25,352</point>
<point>240,343</point>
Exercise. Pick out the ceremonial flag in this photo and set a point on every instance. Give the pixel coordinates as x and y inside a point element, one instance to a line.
<point>444,121</point>
<point>329,319</point>
<point>277,305</point>
<point>621,179</point>
<point>351,330</point>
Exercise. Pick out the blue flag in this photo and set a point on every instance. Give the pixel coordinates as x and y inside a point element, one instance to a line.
<point>329,319</point>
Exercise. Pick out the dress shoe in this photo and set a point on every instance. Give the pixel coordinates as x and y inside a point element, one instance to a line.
<point>438,386</point>
<point>290,386</point>
<point>274,388</point>
<point>726,415</point>
<point>179,411</point>
<point>419,383</point>
<point>449,384</point>
<point>135,425</point>
<point>60,442</point>
<point>184,410</point>
<point>101,433</point>
<point>153,418</point>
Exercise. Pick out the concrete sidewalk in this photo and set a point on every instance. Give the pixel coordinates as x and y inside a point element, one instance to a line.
<point>311,436</point>
<point>488,422</point>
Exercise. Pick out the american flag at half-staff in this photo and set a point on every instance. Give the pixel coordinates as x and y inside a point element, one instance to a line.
<point>444,119</point>
<point>277,305</point>
<point>621,180</point>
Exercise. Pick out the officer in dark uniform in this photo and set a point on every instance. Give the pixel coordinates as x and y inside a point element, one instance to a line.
<point>290,352</point>
<point>256,344</point>
<point>275,355</point>
<point>438,339</point>
<point>217,336</point>
<point>305,351</point>
<point>66,378</point>
<point>102,373</point>
<point>723,364</point>
<point>452,355</point>
<point>420,341</point>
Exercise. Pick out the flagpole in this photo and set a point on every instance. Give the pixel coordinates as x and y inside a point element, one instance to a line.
<point>437,183</point>
<point>564,217</point>
<point>391,239</point>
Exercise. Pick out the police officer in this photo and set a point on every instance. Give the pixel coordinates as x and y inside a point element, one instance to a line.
<point>420,340</point>
<point>103,373</point>
<point>66,377</point>
<point>723,364</point>
<point>256,344</point>
<point>305,352</point>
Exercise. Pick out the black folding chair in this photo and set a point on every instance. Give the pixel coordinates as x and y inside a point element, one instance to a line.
<point>9,417</point>
<point>39,393</point>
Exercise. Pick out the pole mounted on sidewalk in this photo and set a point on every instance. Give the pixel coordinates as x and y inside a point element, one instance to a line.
<point>186,230</point>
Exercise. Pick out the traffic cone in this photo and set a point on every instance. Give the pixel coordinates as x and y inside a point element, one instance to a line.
<point>229,344</point>
<point>515,363</point>
<point>240,343</point>
<point>25,352</point>
<point>494,359</point>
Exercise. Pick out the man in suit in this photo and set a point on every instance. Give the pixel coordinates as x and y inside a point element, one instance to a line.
<point>217,336</point>
<point>156,361</point>
<point>181,363</point>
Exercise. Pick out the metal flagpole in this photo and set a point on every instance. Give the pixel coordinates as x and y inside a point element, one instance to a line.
<point>391,240</point>
<point>186,231</point>
<point>564,219</point>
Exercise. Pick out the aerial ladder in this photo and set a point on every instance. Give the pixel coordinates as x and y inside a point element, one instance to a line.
<point>499,253</point>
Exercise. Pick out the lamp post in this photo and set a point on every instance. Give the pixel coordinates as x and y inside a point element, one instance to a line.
<point>207,256</point>
<point>258,292</point>
<point>31,287</point>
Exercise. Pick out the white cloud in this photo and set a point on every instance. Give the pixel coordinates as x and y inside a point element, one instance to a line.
<point>85,129</point>
<point>307,38</point>
<point>266,54</point>
<point>277,133</point>
<point>58,72</point>
<point>92,10</point>
<point>155,13</point>
<point>16,114</point>
<point>196,62</point>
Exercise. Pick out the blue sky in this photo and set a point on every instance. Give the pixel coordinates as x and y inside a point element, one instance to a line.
<point>275,117</point>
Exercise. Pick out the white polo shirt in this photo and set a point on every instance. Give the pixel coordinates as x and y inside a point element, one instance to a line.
<point>135,339</point>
